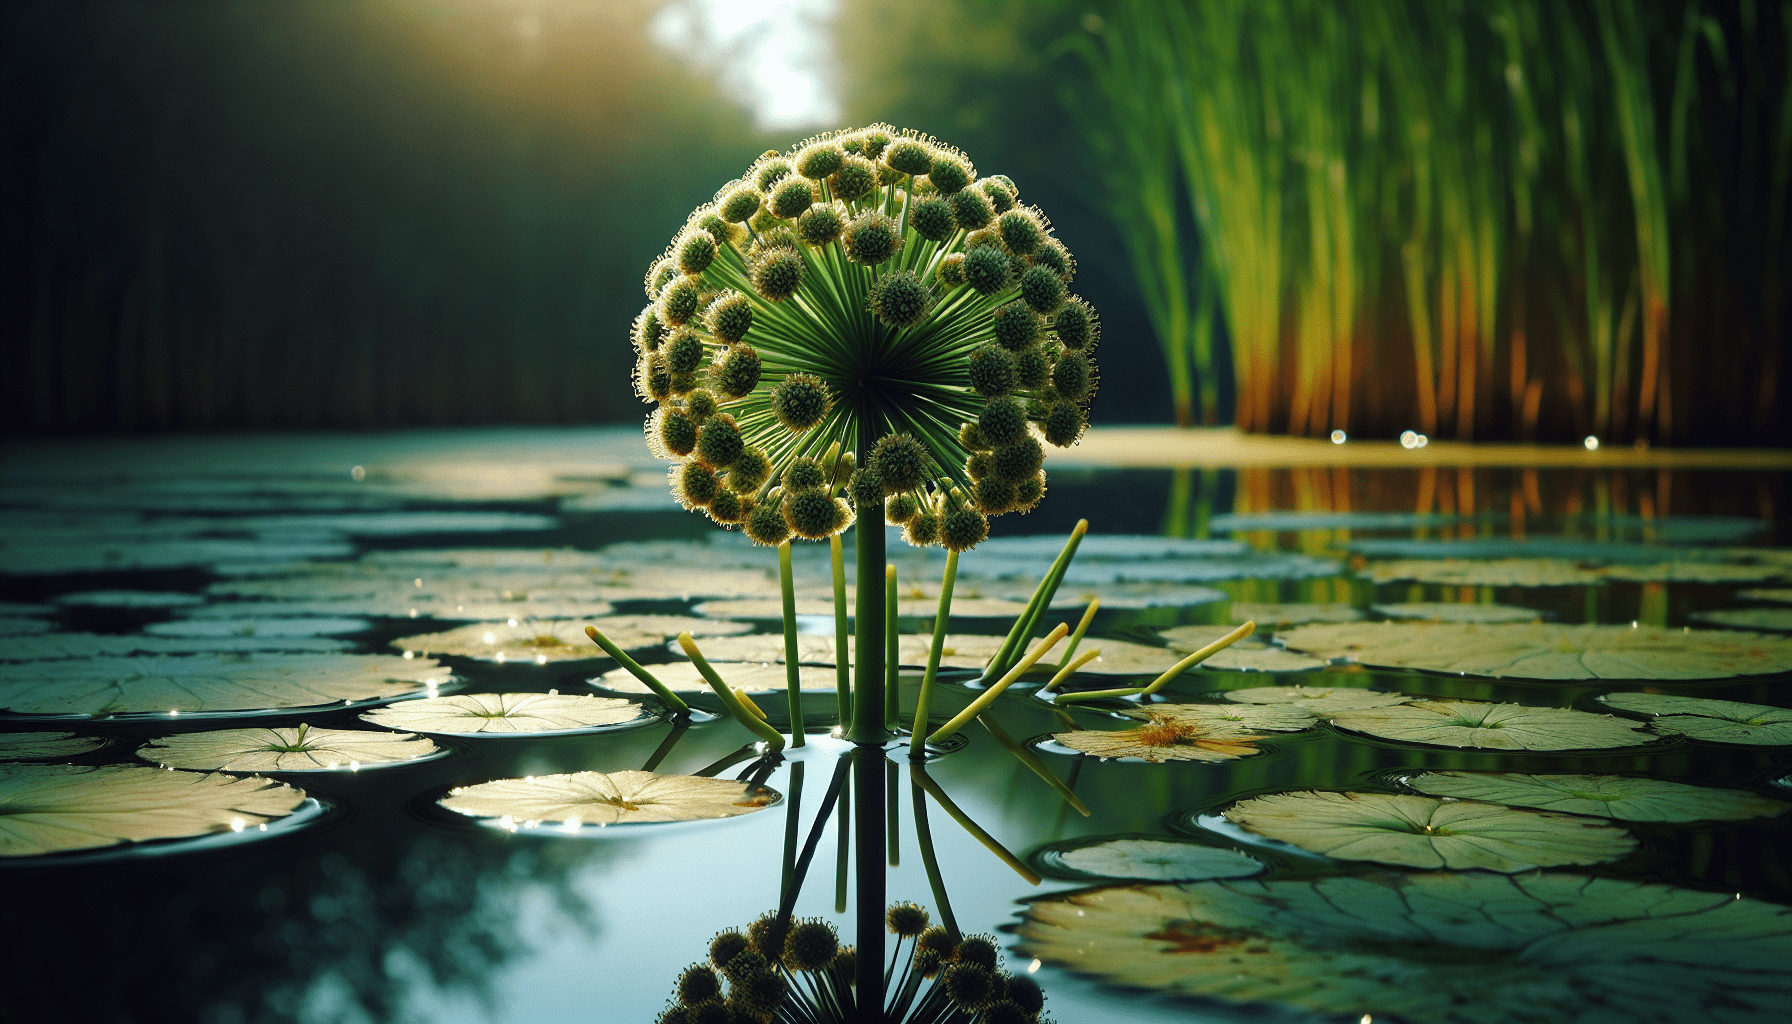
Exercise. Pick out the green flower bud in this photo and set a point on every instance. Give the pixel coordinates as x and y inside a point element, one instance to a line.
<point>874,140</point>
<point>971,210</point>
<point>773,236</point>
<point>804,475</point>
<point>1028,493</point>
<point>813,515</point>
<point>1054,257</point>
<point>684,351</point>
<point>900,508</point>
<point>767,933</point>
<point>1000,192</point>
<point>923,530</point>
<point>845,964</point>
<point>1025,993</point>
<point>971,435</point>
<point>735,373</point>
<point>988,238</point>
<point>713,1011</point>
<point>937,940</point>
<point>719,442</point>
<point>854,180</point>
<point>1064,424</point>
<point>932,218</point>
<point>992,371</point>
<point>725,946</point>
<point>1072,376</point>
<point>1004,421</point>
<point>765,524</point>
<point>676,430</point>
<point>745,964</point>
<point>750,470</point>
<point>871,239</point>
<point>679,301</point>
<point>662,273</point>
<point>950,172</point>
<point>728,507</point>
<point>696,251</point>
<point>986,269</point>
<point>1076,325</point>
<point>700,405</point>
<point>720,231</point>
<point>1004,1011</point>
<point>1015,326</point>
<point>791,197</point>
<point>653,382</point>
<point>1021,231</point>
<point>771,170</point>
<point>820,159</point>
<point>951,270</point>
<point>648,331</point>
<point>1042,289</point>
<point>820,225</point>
<point>928,962</point>
<point>969,985</point>
<point>758,996</point>
<point>739,204</point>
<point>698,983</point>
<point>683,382</point>
<point>694,485</point>
<point>1032,366</point>
<point>777,274</point>
<point>1018,461</point>
<point>963,529</point>
<point>979,465</point>
<point>906,920</point>
<point>801,400</point>
<point>899,298</point>
<point>729,316</point>
<point>866,489</point>
<point>901,462</point>
<point>979,950</point>
<point>995,495</point>
<point>811,945</point>
<point>909,156</point>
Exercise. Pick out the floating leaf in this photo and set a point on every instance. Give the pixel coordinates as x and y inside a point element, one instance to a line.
<point>1716,721</point>
<point>265,629</point>
<point>23,627</point>
<point>1776,595</point>
<point>1269,615</point>
<point>487,714</point>
<point>1157,860</point>
<point>1605,796</point>
<point>682,676</point>
<point>205,684</point>
<point>1499,572</point>
<point>1426,832</point>
<point>1695,572</point>
<point>765,649</point>
<point>1244,656</point>
<point>1539,650</point>
<point>46,746</point>
<point>78,551</point>
<point>1276,717</point>
<point>671,625</point>
<point>537,642</point>
<point>1321,701</point>
<point>58,646</point>
<point>56,808</point>
<point>596,798</point>
<point>1773,620</point>
<point>1255,565</point>
<point>1131,596</point>
<point>130,599</point>
<point>1464,723</point>
<point>1459,948</point>
<point>1448,611</point>
<point>300,749</point>
<point>762,608</point>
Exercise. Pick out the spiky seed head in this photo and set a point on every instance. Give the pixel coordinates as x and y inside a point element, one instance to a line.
<point>819,159</point>
<point>888,176</point>
<point>811,944</point>
<point>1053,256</point>
<point>713,1011</point>
<point>969,985</point>
<point>677,1013</point>
<point>950,173</point>
<point>986,269</point>
<point>1004,1011</point>
<point>820,225</point>
<point>765,524</point>
<point>873,140</point>
<point>979,465</point>
<point>653,381</point>
<point>736,370</point>
<point>995,495</point>
<point>970,435</point>
<point>1026,993</point>
<point>648,331</point>
<point>1004,421</point>
<point>992,370</point>
<point>662,273</point>
<point>719,442</point>
<point>971,209</point>
<point>899,299</point>
<point>1021,231</point>
<point>854,180</point>
<point>683,351</point>
<point>694,485</point>
<point>963,529</point>
<point>740,204</point>
<point>1032,367</point>
<point>767,934</point>
<point>1015,326</point>
<point>753,468</point>
<point>1000,192</point>
<point>696,251</point>
<point>1042,288</point>
<point>979,950</point>
<point>679,301</point>
<point>866,489</point>
<point>951,270</point>
<point>909,156</point>
<point>697,984</point>
<point>928,962</point>
<point>777,273</point>
<point>1076,326</point>
<point>871,239</point>
<point>683,383</point>
<point>729,316</point>
<point>846,963</point>
<point>923,530</point>
<point>745,964</point>
<point>1064,424</point>
<point>700,405</point>
<point>804,475</point>
<point>677,431</point>
<point>988,238</point>
<point>906,919</point>
<point>770,171</point>
<point>1018,461</point>
<point>932,218</point>
<point>1072,375</point>
<point>801,400</point>
<point>937,939</point>
<point>730,507</point>
<point>900,508</point>
<point>791,197</point>
<point>900,462</point>
<point>1029,493</point>
<point>813,515</point>
<point>720,231</point>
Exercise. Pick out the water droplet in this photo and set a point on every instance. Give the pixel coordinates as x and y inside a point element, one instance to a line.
<point>541,659</point>
<point>358,474</point>
<point>236,824</point>
<point>1592,443</point>
<point>1339,437</point>
<point>408,655</point>
<point>1409,439</point>
<point>1034,966</point>
<point>490,639</point>
<point>513,622</point>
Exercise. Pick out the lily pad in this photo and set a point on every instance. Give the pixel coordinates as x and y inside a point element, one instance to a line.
<point>1775,595</point>
<point>1270,615</point>
<point>58,646</point>
<point>1603,796</point>
<point>765,649</point>
<point>682,676</point>
<point>1464,723</point>
<point>1167,737</point>
<point>1279,717</point>
<point>1773,620</point>
<point>23,627</point>
<point>209,684</point>
<point>1254,565</point>
<point>46,746</point>
<point>525,642</point>
<point>1696,572</point>
<point>145,599</point>
<point>267,629</point>
<point>488,714</point>
<point>763,608</point>
<point>1320,701</point>
<point>1157,860</point>
<point>1131,596</point>
<point>1495,572</point>
<point>57,808</point>
<point>1457,948</point>
<point>1716,721</point>
<point>1249,655</point>
<point>597,798</point>
<point>1427,832</point>
<point>1448,611</point>
<point>298,749</point>
<point>1540,650</point>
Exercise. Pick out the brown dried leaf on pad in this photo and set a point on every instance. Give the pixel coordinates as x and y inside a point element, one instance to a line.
<point>1168,737</point>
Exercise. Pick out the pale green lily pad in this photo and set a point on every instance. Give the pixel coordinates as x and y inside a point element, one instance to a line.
<point>1128,596</point>
<point>672,625</point>
<point>1775,595</point>
<point>297,749</point>
<point>1625,798</point>
<point>1320,701</point>
<point>488,714</point>
<point>597,798</point>
<point>526,642</point>
<point>1541,650</point>
<point>207,684</point>
<point>1716,721</point>
<point>1249,655</point>
<point>353,588</point>
<point>78,551</point>
<point>145,599</point>
<point>1695,572</point>
<point>58,808</point>
<point>822,606</point>
<point>765,649</point>
<point>1448,611</point>
<point>60,646</point>
<point>1157,860</point>
<point>46,746</point>
<point>1772,620</point>
<point>23,626</point>
<point>1270,615</point>
<point>1168,736</point>
<point>266,629</point>
<point>1464,723</point>
<point>682,676</point>
<point>1449,947</point>
<point>1493,572</point>
<point>1427,832</point>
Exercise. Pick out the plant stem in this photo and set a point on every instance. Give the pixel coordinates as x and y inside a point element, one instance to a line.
<point>842,632</point>
<point>868,615</point>
<point>917,748</point>
<point>678,706</point>
<point>792,673</point>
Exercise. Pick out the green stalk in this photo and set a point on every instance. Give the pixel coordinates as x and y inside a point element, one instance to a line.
<point>1031,760</point>
<point>792,672</point>
<point>919,774</point>
<point>758,726</point>
<point>1028,620</point>
<point>929,859</point>
<point>1082,627</point>
<point>868,642</point>
<point>917,749</point>
<point>1169,674</point>
<point>842,633</point>
<point>892,713</point>
<point>679,707</point>
<point>988,697</point>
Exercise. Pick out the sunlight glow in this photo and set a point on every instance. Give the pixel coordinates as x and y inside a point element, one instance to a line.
<point>772,54</point>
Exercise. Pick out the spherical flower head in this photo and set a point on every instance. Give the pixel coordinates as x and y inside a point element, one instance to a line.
<point>1004,1011</point>
<point>1004,421</point>
<point>995,495</point>
<point>777,273</point>
<point>923,530</point>
<point>1029,493</point>
<point>937,939</point>
<point>871,239</point>
<point>979,465</point>
<point>909,156</point>
<point>846,963</point>
<point>873,140</point>
<point>963,529</point>
<point>979,950</point>
<point>675,1014</point>
<point>746,963</point>
<point>855,179</point>
<point>719,442</point>
<point>648,331</point>
<point>970,435</point>
<point>1032,367</point>
<point>992,372</point>
<point>950,173</point>
<point>770,170</point>
<point>725,946</point>
<point>729,316</point>
<point>1018,461</point>
<point>969,985</point>
<point>720,231</point>
<point>700,405</point>
<point>729,507</point>
<point>971,209</point>
<point>900,508</point>
<point>866,489</point>
<point>932,218</point>
<point>1053,256</point>
<point>804,475</point>
<point>1021,231</point>
<point>900,462</point>
<point>697,984</point>
<point>754,467</point>
<point>813,515</point>
<point>811,945</point>
<point>906,919</point>
<point>820,159</point>
<point>765,524</point>
<point>1000,192</point>
<point>663,272</point>
<point>760,994</point>
<point>1015,326</point>
<point>1042,289</point>
<point>820,225</point>
<point>767,933</point>
<point>695,252</point>
<point>676,431</point>
<point>679,301</point>
<point>775,235</point>
<point>739,204</point>
<point>736,371</point>
<point>791,197</point>
<point>1076,326</point>
<point>683,351</point>
<point>928,962</point>
<point>951,270</point>
<point>899,299</point>
<point>986,269</point>
<point>1026,993</point>
<point>684,382</point>
<point>653,381</point>
<point>1072,376</point>
<point>694,485</point>
<point>712,1011</point>
<point>801,400</point>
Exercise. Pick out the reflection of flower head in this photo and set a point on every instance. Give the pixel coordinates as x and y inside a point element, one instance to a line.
<point>866,286</point>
